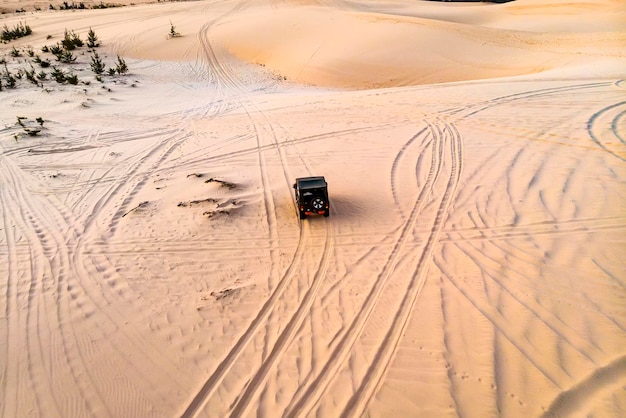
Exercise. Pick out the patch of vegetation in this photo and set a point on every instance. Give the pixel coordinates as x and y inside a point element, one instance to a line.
<point>67,52</point>
<point>121,67</point>
<point>173,33</point>
<point>106,5</point>
<point>54,49</point>
<point>29,128</point>
<point>71,41</point>
<point>71,78</point>
<point>97,66</point>
<point>10,80</point>
<point>42,63</point>
<point>18,31</point>
<point>31,76</point>
<point>92,39</point>
<point>57,75</point>
<point>72,6</point>
<point>66,57</point>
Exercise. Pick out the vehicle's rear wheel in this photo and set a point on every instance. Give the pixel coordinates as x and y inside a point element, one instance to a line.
<point>317,203</point>
<point>302,215</point>
<point>327,213</point>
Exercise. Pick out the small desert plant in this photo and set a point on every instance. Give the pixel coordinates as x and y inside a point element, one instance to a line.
<point>55,50</point>
<point>71,78</point>
<point>31,76</point>
<point>92,39</point>
<point>173,33</point>
<point>30,130</point>
<point>57,75</point>
<point>42,75</point>
<point>42,63</point>
<point>121,67</point>
<point>97,66</point>
<point>71,41</point>
<point>15,52</point>
<point>9,78</point>
<point>66,57</point>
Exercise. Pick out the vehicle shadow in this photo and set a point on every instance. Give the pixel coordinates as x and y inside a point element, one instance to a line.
<point>347,207</point>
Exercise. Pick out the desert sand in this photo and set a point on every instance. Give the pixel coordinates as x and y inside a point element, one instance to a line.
<point>152,263</point>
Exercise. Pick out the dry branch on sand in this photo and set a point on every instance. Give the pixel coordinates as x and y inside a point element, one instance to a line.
<point>139,206</point>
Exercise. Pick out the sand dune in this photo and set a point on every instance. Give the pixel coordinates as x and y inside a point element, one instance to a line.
<point>152,262</point>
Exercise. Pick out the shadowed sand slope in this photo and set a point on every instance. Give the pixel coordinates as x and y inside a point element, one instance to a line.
<point>152,262</point>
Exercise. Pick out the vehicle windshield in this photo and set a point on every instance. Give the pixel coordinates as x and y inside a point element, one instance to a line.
<point>312,184</point>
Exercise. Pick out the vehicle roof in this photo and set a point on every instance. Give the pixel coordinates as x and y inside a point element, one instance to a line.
<point>311,182</point>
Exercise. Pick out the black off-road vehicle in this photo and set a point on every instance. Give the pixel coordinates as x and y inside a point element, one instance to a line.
<point>311,196</point>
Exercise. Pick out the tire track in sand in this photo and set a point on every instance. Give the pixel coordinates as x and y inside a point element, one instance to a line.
<point>263,128</point>
<point>287,335</point>
<point>380,363</point>
<point>307,399</point>
<point>30,297</point>
<point>225,78</point>
<point>598,122</point>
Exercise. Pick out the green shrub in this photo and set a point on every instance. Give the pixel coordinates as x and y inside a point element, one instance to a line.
<point>18,31</point>
<point>10,80</point>
<point>66,57</point>
<point>71,41</point>
<point>55,50</point>
<point>92,39</point>
<point>121,66</point>
<point>57,75</point>
<point>173,32</point>
<point>42,63</point>
<point>97,66</point>
<point>30,75</point>
<point>71,78</point>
